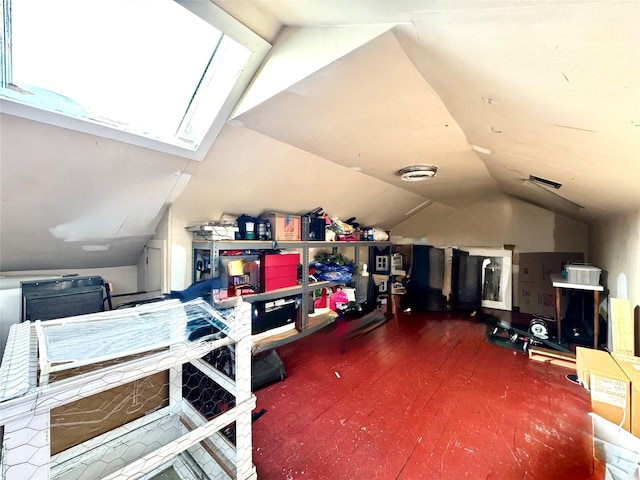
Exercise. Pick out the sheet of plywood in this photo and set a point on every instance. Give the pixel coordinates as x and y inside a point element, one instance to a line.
<point>622,326</point>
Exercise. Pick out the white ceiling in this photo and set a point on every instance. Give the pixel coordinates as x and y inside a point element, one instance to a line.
<point>551,88</point>
<point>359,115</point>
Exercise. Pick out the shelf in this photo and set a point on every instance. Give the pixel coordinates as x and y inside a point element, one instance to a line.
<point>207,255</point>
<point>316,322</point>
<point>273,294</point>
<point>279,244</point>
<point>236,244</point>
<point>285,292</point>
<point>561,282</point>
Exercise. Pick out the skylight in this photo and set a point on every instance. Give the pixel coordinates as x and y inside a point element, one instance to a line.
<point>151,68</point>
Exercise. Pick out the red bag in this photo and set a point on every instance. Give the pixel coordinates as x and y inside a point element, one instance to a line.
<point>322,301</point>
<point>338,300</point>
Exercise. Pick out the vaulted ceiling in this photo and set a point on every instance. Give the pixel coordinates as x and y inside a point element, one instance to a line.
<point>489,91</point>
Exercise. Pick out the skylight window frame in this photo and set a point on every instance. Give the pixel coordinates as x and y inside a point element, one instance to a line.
<point>207,11</point>
<point>5,44</point>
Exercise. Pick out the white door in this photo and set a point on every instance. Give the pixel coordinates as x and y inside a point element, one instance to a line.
<point>154,266</point>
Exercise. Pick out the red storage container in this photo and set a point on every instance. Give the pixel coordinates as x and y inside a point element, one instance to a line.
<point>279,270</point>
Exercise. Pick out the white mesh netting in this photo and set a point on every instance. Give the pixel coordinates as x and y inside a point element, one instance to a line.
<point>130,394</point>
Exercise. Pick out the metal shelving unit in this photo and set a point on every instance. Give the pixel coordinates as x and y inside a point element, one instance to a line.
<point>306,324</point>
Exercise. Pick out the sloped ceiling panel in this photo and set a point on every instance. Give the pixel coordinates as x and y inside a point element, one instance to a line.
<point>550,90</point>
<point>371,109</point>
<point>299,53</point>
<point>248,172</point>
<point>72,200</point>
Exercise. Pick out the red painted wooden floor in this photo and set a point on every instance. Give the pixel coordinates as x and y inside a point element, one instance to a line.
<point>423,396</point>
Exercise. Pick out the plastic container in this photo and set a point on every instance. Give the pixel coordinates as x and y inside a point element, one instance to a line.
<point>583,274</point>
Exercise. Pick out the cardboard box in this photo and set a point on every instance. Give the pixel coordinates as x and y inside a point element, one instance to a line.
<point>535,299</point>
<point>79,421</point>
<point>535,291</point>
<point>607,383</point>
<point>630,365</point>
<point>284,226</point>
<point>538,267</point>
<point>585,358</point>
<point>279,270</point>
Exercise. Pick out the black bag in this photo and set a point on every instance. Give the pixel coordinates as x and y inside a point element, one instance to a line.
<point>266,368</point>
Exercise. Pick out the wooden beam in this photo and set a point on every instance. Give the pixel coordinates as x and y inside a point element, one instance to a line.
<point>545,355</point>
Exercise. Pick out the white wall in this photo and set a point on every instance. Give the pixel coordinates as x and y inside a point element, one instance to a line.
<point>440,225</point>
<point>494,223</point>
<point>73,200</point>
<point>181,259</point>
<point>614,246</point>
<point>163,233</point>
<point>500,221</point>
<point>122,279</point>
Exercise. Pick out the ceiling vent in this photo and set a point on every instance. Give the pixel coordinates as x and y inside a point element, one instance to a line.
<point>551,195</point>
<point>545,182</point>
<point>418,173</point>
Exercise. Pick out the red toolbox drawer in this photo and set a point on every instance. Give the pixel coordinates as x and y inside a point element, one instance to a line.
<point>279,270</point>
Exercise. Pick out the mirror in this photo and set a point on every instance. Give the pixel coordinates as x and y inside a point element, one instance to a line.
<point>496,277</point>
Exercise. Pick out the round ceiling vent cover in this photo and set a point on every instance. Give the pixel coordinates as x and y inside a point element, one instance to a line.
<point>418,173</point>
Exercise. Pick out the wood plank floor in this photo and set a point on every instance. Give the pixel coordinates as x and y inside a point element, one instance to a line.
<point>423,396</point>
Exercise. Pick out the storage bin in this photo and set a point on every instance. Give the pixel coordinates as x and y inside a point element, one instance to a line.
<point>314,228</point>
<point>583,274</point>
<point>266,315</point>
<point>278,271</point>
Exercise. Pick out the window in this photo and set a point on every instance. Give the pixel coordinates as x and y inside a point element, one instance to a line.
<point>150,68</point>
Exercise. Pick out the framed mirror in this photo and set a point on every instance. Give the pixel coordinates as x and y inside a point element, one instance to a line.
<point>496,267</point>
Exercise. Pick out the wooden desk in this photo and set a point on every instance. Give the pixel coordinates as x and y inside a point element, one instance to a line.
<point>558,282</point>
